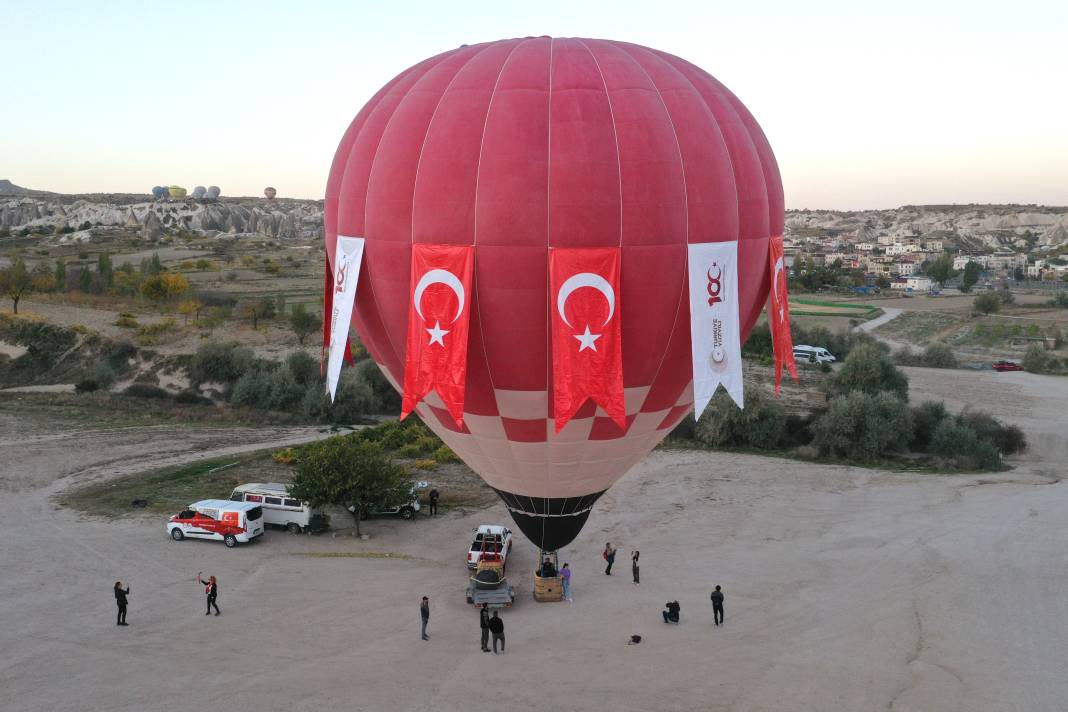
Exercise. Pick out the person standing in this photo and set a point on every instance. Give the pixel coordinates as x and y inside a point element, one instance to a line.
<point>424,614</point>
<point>634,565</point>
<point>483,623</point>
<point>434,501</point>
<point>609,556</point>
<point>211,588</point>
<point>565,576</point>
<point>120,601</point>
<point>717,605</point>
<point>496,626</point>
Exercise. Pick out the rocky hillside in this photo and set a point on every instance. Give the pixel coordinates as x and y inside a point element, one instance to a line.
<point>283,219</point>
<point>971,226</point>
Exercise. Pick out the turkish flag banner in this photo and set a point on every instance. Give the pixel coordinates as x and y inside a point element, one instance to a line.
<point>587,332</point>
<point>438,321</point>
<point>779,313</point>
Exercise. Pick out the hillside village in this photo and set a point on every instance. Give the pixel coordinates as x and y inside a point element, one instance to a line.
<point>889,248</point>
<point>871,250</point>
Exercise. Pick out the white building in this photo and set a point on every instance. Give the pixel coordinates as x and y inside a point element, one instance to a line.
<point>903,268</point>
<point>918,284</point>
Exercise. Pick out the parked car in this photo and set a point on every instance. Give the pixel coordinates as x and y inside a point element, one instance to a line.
<point>406,509</point>
<point>1007,366</point>
<point>219,519</point>
<point>279,509</point>
<point>489,539</point>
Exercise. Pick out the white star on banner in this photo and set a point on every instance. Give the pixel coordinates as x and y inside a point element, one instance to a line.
<point>586,340</point>
<point>437,334</point>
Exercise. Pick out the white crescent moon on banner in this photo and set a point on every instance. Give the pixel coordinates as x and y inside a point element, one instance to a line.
<point>586,279</point>
<point>439,276</point>
<point>775,284</point>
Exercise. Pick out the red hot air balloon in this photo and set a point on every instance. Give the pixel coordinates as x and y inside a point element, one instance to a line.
<point>522,145</point>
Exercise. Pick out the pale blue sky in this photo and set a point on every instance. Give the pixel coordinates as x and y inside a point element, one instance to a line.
<point>865,104</point>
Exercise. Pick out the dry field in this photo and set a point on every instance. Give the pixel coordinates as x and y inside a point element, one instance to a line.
<point>847,589</point>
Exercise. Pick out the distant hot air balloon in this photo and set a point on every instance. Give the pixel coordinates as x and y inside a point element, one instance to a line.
<point>199,191</point>
<point>176,191</point>
<point>158,192</point>
<point>524,145</point>
<point>213,192</point>
<point>270,192</point>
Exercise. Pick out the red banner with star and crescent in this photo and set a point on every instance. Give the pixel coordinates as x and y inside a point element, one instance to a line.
<point>438,320</point>
<point>779,313</point>
<point>587,332</point>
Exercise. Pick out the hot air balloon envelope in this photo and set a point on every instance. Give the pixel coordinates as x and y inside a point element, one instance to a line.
<point>176,191</point>
<point>270,192</point>
<point>158,192</point>
<point>520,146</point>
<point>199,192</point>
<point>213,192</point>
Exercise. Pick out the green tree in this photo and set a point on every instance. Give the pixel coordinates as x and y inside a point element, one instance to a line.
<point>988,303</point>
<point>61,274</point>
<point>348,472</point>
<point>105,269</point>
<point>302,322</point>
<point>85,279</point>
<point>869,370</point>
<point>256,309</point>
<point>863,426</point>
<point>970,276</point>
<point>15,282</point>
<point>941,269</point>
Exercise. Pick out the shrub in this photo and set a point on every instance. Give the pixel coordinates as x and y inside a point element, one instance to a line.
<point>760,424</point>
<point>192,397</point>
<point>862,426</point>
<point>161,327</point>
<point>284,457</point>
<point>386,399</point>
<point>939,355</point>
<point>1008,439</point>
<point>867,369</point>
<point>988,303</point>
<point>103,374</point>
<point>445,454</point>
<point>127,321</point>
<point>86,385</point>
<point>425,465</point>
<point>960,445</point>
<point>144,390</point>
<point>925,418</point>
<point>268,389</point>
<point>305,369</point>
<point>215,361</point>
<point>410,450</point>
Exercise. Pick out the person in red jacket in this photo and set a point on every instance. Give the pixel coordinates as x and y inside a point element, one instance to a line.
<point>211,588</point>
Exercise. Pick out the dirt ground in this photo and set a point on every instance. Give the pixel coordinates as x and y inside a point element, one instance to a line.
<point>846,589</point>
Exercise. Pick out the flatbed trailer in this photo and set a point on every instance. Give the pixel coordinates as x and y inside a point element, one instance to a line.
<point>502,597</point>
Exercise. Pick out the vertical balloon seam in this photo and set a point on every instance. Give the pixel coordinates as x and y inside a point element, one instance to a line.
<point>548,285</point>
<point>669,61</point>
<point>474,442</point>
<point>716,97</point>
<point>619,175</point>
<point>474,239</point>
<point>336,181</point>
<point>370,175</point>
<point>626,49</point>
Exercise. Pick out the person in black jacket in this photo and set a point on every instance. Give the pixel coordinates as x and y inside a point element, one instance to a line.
<point>424,615</point>
<point>120,601</point>
<point>717,606</point>
<point>671,615</point>
<point>212,590</point>
<point>496,626</point>
<point>433,501</point>
<point>634,566</point>
<point>483,622</point>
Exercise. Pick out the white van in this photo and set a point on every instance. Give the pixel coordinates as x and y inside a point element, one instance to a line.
<point>813,354</point>
<point>226,521</point>
<point>278,507</point>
